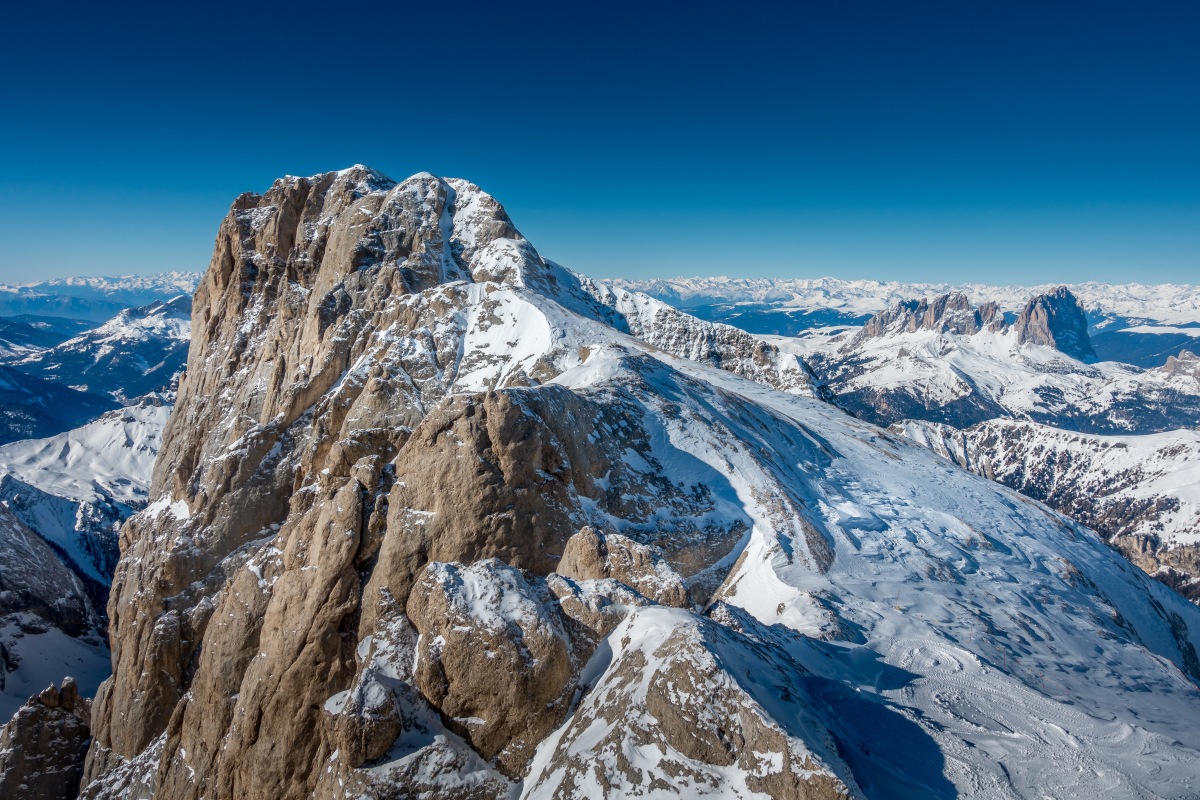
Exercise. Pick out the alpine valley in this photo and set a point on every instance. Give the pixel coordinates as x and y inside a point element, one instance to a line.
<point>426,514</point>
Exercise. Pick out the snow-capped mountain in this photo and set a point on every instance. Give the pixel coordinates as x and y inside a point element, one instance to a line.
<point>1142,493</point>
<point>1132,323</point>
<point>77,488</point>
<point>435,516</point>
<point>94,299</point>
<point>137,352</point>
<point>944,360</point>
<point>21,336</point>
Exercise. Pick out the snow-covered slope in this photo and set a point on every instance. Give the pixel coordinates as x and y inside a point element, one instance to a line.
<point>94,299</point>
<point>48,626</point>
<point>75,489</point>
<point>136,352</point>
<point>1142,493</point>
<point>354,578</point>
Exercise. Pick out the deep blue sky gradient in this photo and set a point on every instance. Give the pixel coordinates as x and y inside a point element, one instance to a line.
<point>1001,142</point>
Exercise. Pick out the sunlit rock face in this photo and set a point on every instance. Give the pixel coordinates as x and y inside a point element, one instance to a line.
<point>436,516</point>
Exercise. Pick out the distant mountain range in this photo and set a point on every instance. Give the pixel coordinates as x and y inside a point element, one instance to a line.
<point>136,352</point>
<point>1134,323</point>
<point>93,299</point>
<point>1039,388</point>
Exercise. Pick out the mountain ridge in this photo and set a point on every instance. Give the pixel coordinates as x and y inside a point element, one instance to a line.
<point>389,388</point>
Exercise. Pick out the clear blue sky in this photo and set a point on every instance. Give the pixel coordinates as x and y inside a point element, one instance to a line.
<point>1006,142</point>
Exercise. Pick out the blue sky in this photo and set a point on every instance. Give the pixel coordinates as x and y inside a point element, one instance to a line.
<point>1001,142</point>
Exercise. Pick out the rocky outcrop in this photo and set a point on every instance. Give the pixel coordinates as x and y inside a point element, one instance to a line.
<point>671,689</point>
<point>42,747</point>
<point>591,555</point>
<point>947,313</point>
<point>1055,319</point>
<point>494,657</point>
<point>1186,364</point>
<point>721,346</point>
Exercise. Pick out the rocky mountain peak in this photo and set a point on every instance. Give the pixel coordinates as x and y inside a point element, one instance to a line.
<point>1055,319</point>
<point>946,313</point>
<point>434,516</point>
<point>1186,364</point>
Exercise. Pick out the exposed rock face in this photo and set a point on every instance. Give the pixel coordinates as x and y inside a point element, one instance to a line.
<point>590,555</point>
<point>1186,364</point>
<point>947,313</point>
<point>43,745</point>
<point>338,429</point>
<point>494,657</point>
<point>1056,320</point>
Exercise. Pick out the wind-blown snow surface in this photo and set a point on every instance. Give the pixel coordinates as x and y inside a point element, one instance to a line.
<point>1123,471</point>
<point>75,489</point>
<point>960,637</point>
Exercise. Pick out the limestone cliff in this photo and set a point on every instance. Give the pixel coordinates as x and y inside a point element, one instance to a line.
<point>337,430</point>
<point>437,517</point>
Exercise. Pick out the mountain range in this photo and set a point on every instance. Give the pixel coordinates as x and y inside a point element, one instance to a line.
<point>1018,385</point>
<point>1136,324</point>
<point>94,300</point>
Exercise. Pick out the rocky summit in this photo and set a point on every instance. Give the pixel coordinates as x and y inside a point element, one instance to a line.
<point>436,517</point>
